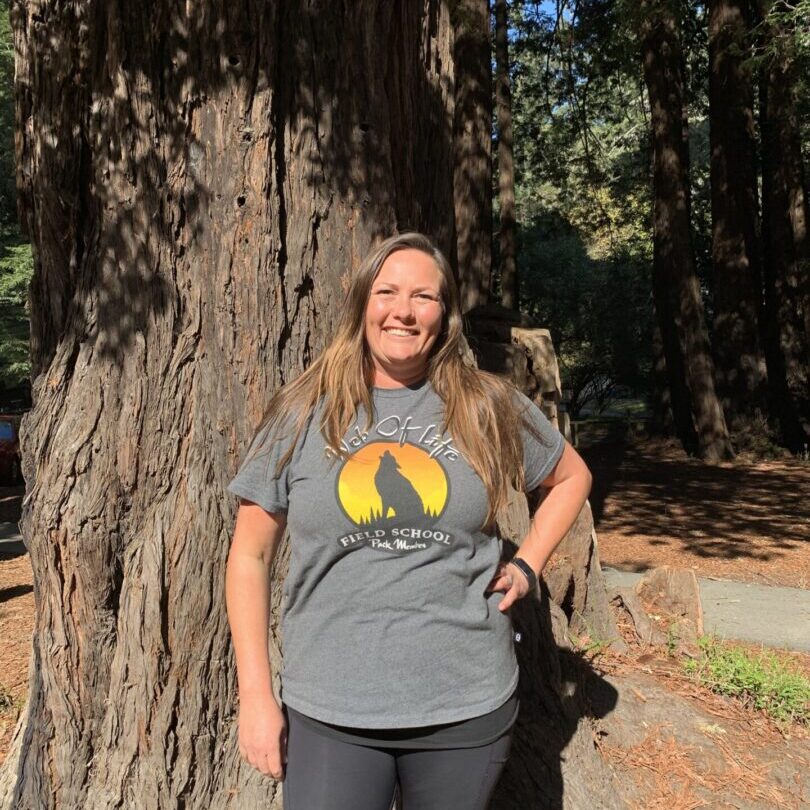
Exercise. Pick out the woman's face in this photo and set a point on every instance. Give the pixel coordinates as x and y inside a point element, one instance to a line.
<point>403,317</point>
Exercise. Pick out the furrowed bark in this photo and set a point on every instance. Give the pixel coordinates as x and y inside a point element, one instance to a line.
<point>198,181</point>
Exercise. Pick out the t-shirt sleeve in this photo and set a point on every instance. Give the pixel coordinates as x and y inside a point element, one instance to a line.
<point>257,480</point>
<point>541,452</point>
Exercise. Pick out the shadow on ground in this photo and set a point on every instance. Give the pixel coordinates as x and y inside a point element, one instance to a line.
<point>713,511</point>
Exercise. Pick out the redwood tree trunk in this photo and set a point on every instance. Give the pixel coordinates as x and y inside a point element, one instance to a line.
<point>741,371</point>
<point>786,248</point>
<point>198,181</point>
<point>507,239</point>
<point>673,262</point>
<point>473,150</point>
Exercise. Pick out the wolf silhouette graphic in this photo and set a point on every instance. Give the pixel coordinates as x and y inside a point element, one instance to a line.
<point>396,491</point>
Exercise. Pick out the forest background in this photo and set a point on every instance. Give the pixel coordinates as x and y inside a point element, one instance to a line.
<point>583,171</point>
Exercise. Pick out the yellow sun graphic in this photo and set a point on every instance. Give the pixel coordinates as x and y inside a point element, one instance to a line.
<point>357,490</point>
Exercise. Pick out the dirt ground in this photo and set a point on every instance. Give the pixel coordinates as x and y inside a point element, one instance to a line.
<point>742,520</point>
<point>680,746</point>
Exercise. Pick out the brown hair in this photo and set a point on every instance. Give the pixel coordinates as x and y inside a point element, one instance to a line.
<point>481,411</point>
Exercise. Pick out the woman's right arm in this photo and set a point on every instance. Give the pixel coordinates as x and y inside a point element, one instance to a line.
<point>262,728</point>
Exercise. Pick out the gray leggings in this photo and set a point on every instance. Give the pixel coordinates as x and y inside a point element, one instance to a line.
<point>327,774</point>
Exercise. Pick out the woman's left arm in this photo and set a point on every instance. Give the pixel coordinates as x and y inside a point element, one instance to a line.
<point>568,486</point>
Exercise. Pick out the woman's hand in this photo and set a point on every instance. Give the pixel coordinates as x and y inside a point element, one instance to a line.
<point>510,580</point>
<point>263,736</point>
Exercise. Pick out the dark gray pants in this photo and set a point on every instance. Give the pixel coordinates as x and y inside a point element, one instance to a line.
<point>327,774</point>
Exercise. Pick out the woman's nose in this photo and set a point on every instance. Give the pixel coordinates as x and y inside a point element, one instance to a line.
<point>403,307</point>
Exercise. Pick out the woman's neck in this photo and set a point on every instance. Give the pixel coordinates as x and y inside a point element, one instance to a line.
<point>380,378</point>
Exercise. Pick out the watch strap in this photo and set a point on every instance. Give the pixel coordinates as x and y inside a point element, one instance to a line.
<point>526,570</point>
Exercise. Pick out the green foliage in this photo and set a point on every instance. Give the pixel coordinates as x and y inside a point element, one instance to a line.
<point>16,268</point>
<point>760,680</point>
<point>7,181</point>
<point>583,194</point>
<point>16,264</point>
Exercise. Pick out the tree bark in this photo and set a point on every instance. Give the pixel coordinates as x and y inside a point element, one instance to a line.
<point>786,245</point>
<point>507,239</point>
<point>673,262</point>
<point>198,182</point>
<point>473,151</point>
<point>737,294</point>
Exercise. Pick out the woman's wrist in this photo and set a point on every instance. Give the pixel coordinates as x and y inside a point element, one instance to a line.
<point>526,571</point>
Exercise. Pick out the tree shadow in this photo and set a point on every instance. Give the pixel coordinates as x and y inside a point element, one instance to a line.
<point>554,701</point>
<point>14,591</point>
<point>709,510</point>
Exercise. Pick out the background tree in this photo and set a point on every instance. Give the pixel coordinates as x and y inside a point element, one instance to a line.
<point>784,222</point>
<point>582,189</point>
<point>673,264</point>
<point>507,241</point>
<point>736,250</point>
<point>473,149</point>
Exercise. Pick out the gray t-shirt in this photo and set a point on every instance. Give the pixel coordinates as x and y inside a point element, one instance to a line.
<point>386,622</point>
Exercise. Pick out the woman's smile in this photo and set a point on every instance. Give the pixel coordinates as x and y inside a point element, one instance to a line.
<point>404,317</point>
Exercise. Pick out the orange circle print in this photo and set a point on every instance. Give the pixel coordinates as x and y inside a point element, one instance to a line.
<point>359,482</point>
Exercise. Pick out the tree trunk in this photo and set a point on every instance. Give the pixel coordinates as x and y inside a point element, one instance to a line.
<point>473,151</point>
<point>507,240</point>
<point>673,262</point>
<point>198,181</point>
<point>741,371</point>
<point>786,247</point>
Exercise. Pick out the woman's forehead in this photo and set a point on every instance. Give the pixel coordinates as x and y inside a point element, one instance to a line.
<point>412,267</point>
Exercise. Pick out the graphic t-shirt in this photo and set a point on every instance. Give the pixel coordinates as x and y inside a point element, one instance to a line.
<point>386,620</point>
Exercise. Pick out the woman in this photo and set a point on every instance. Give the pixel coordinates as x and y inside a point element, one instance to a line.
<point>388,460</point>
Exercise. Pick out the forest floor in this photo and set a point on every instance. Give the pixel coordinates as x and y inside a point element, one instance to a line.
<point>742,520</point>
<point>675,744</point>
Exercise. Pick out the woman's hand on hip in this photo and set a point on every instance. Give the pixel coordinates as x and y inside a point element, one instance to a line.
<point>512,582</point>
<point>263,736</point>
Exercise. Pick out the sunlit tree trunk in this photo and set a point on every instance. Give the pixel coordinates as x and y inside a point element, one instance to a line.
<point>737,294</point>
<point>673,263</point>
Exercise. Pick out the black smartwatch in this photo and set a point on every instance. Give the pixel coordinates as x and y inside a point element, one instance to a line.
<point>526,570</point>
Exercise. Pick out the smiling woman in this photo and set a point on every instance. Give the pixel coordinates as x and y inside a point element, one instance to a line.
<point>388,459</point>
<point>403,317</point>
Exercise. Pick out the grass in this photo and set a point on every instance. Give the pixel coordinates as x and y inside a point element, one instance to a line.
<point>760,680</point>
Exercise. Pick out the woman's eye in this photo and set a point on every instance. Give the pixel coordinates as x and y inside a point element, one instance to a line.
<point>384,291</point>
<point>426,297</point>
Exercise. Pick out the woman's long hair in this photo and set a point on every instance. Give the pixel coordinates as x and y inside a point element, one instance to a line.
<point>481,411</point>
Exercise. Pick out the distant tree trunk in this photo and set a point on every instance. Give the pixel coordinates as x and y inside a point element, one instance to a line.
<point>673,407</point>
<point>198,182</point>
<point>473,150</point>
<point>674,266</point>
<point>741,370</point>
<point>510,297</point>
<point>786,246</point>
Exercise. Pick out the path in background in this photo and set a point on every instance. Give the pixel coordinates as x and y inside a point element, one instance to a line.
<point>742,520</point>
<point>742,611</point>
